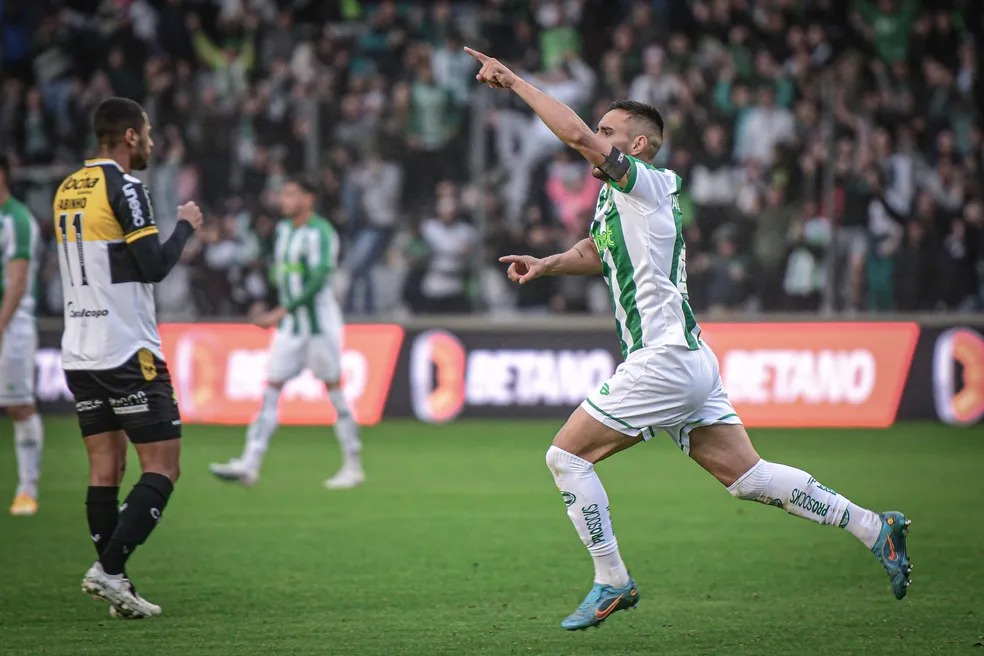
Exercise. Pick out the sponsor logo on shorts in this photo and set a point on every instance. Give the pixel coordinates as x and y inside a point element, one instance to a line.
<point>130,404</point>
<point>808,503</point>
<point>592,517</point>
<point>88,406</point>
<point>568,498</point>
<point>84,313</point>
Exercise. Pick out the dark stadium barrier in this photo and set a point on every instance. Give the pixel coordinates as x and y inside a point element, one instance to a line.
<point>778,374</point>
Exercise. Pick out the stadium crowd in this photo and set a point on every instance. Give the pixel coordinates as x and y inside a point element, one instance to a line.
<point>814,137</point>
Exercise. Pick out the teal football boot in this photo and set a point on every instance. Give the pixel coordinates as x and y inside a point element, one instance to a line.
<point>890,550</point>
<point>602,601</point>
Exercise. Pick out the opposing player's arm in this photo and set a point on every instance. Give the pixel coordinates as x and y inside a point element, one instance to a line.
<point>15,274</point>
<point>135,214</point>
<point>581,260</point>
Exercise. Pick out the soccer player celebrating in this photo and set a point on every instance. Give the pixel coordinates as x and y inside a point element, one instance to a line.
<point>110,255</point>
<point>309,333</point>
<point>669,379</point>
<point>19,340</point>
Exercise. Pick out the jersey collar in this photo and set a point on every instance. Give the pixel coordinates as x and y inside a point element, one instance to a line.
<point>101,161</point>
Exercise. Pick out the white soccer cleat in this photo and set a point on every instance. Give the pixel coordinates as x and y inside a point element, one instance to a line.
<point>346,478</point>
<point>153,608</point>
<point>235,470</point>
<point>116,590</point>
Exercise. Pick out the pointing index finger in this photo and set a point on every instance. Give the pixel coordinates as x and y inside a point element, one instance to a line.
<point>477,55</point>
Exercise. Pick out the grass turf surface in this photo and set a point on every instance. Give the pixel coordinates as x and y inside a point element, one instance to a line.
<point>459,544</point>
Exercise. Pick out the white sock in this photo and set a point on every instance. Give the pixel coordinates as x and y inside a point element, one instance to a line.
<point>29,441</point>
<point>800,494</point>
<point>346,430</point>
<point>260,432</point>
<point>587,506</point>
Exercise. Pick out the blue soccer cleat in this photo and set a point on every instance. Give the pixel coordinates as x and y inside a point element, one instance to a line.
<point>890,550</point>
<point>602,601</point>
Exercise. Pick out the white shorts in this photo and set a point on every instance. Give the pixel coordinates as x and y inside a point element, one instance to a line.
<point>290,354</point>
<point>17,354</point>
<point>669,388</point>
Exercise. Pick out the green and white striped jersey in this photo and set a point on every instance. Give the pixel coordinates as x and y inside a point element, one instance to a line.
<point>19,241</point>
<point>305,256</point>
<point>639,235</point>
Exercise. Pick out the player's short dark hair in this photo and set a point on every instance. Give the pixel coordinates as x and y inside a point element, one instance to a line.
<point>114,116</point>
<point>305,182</point>
<point>645,113</point>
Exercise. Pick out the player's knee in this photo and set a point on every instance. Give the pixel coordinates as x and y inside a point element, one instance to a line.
<point>561,462</point>
<point>21,412</point>
<point>751,484</point>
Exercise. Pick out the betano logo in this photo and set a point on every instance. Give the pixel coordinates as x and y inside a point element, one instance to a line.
<point>437,376</point>
<point>958,376</point>
<point>814,374</point>
<point>219,372</point>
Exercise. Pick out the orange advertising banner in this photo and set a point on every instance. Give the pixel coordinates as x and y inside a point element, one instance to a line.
<point>219,372</point>
<point>814,374</point>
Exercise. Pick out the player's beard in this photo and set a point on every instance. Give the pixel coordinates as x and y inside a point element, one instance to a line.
<point>140,158</point>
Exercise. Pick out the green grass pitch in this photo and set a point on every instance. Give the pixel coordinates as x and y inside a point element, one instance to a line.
<point>459,544</point>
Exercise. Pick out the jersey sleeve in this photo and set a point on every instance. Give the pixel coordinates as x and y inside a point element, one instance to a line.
<point>649,185</point>
<point>20,245</point>
<point>134,210</point>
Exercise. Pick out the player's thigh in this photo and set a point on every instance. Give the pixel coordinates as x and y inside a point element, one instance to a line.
<point>654,389</point>
<point>17,355</point>
<point>142,399</point>
<point>288,353</point>
<point>107,458</point>
<point>590,439</point>
<point>325,355</point>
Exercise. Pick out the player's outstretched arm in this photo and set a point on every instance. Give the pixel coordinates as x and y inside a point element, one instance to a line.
<point>561,119</point>
<point>581,260</point>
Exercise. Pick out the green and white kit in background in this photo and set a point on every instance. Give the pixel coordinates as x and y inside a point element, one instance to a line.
<point>670,379</point>
<point>311,333</point>
<point>18,240</point>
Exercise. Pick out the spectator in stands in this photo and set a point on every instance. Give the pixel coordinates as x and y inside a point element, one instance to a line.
<point>379,182</point>
<point>451,242</point>
<point>916,280</point>
<point>241,91</point>
<point>805,277</point>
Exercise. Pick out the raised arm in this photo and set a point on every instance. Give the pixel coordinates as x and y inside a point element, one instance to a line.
<point>581,260</point>
<point>561,119</point>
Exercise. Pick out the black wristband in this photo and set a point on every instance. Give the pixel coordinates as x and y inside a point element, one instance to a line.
<point>616,165</point>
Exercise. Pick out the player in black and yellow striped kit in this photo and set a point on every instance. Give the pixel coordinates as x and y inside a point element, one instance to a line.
<point>110,255</point>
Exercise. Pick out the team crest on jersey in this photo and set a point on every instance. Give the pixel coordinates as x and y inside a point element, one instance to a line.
<point>147,366</point>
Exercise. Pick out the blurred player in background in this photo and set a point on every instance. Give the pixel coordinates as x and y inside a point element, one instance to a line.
<point>18,332</point>
<point>669,380</point>
<point>109,255</point>
<point>309,334</point>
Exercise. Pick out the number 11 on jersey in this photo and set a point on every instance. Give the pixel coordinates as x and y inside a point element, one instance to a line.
<point>63,228</point>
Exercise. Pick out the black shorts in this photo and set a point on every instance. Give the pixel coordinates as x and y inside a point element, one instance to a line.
<point>136,397</point>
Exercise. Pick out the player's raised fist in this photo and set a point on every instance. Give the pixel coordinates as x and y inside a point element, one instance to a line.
<point>523,268</point>
<point>493,72</point>
<point>191,213</point>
